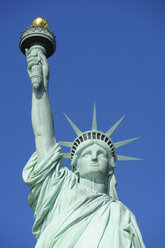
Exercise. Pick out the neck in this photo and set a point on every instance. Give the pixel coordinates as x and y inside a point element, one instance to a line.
<point>95,185</point>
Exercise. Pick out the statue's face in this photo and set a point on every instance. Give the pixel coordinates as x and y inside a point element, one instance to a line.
<point>93,163</point>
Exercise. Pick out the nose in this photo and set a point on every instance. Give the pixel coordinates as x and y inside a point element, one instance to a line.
<point>94,156</point>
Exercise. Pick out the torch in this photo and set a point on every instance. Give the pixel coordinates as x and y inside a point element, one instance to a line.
<point>38,37</point>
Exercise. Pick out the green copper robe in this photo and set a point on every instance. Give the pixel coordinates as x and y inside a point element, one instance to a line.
<point>68,216</point>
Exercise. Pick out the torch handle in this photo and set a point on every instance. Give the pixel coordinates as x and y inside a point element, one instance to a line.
<point>36,70</point>
<point>36,73</point>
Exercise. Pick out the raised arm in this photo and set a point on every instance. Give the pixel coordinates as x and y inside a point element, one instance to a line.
<point>42,120</point>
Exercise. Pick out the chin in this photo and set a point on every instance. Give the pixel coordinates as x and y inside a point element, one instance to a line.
<point>95,173</point>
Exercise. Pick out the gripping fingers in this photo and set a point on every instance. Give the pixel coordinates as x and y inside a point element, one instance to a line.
<point>26,52</point>
<point>32,57</point>
<point>43,58</point>
<point>33,61</point>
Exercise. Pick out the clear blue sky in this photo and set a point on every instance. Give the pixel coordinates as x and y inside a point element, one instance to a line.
<point>112,52</point>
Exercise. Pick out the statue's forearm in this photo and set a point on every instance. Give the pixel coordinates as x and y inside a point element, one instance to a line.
<point>42,122</point>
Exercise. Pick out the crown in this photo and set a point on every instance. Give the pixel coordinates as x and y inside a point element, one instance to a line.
<point>95,134</point>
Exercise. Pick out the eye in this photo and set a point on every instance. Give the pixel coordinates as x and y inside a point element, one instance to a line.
<point>86,155</point>
<point>102,154</point>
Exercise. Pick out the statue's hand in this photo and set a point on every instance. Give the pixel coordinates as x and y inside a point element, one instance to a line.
<point>38,68</point>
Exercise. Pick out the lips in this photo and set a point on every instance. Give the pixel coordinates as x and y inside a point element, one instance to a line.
<point>94,164</point>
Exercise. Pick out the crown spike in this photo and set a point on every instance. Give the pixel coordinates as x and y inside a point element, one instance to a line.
<point>75,128</point>
<point>66,155</point>
<point>67,144</point>
<point>124,142</point>
<point>112,129</point>
<point>124,158</point>
<point>94,121</point>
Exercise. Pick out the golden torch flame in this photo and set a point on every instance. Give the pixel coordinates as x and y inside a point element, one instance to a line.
<point>40,22</point>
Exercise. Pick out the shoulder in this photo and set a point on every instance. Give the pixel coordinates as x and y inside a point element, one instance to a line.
<point>119,204</point>
<point>120,208</point>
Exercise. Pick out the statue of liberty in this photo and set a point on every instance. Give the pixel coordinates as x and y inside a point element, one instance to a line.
<point>78,208</point>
